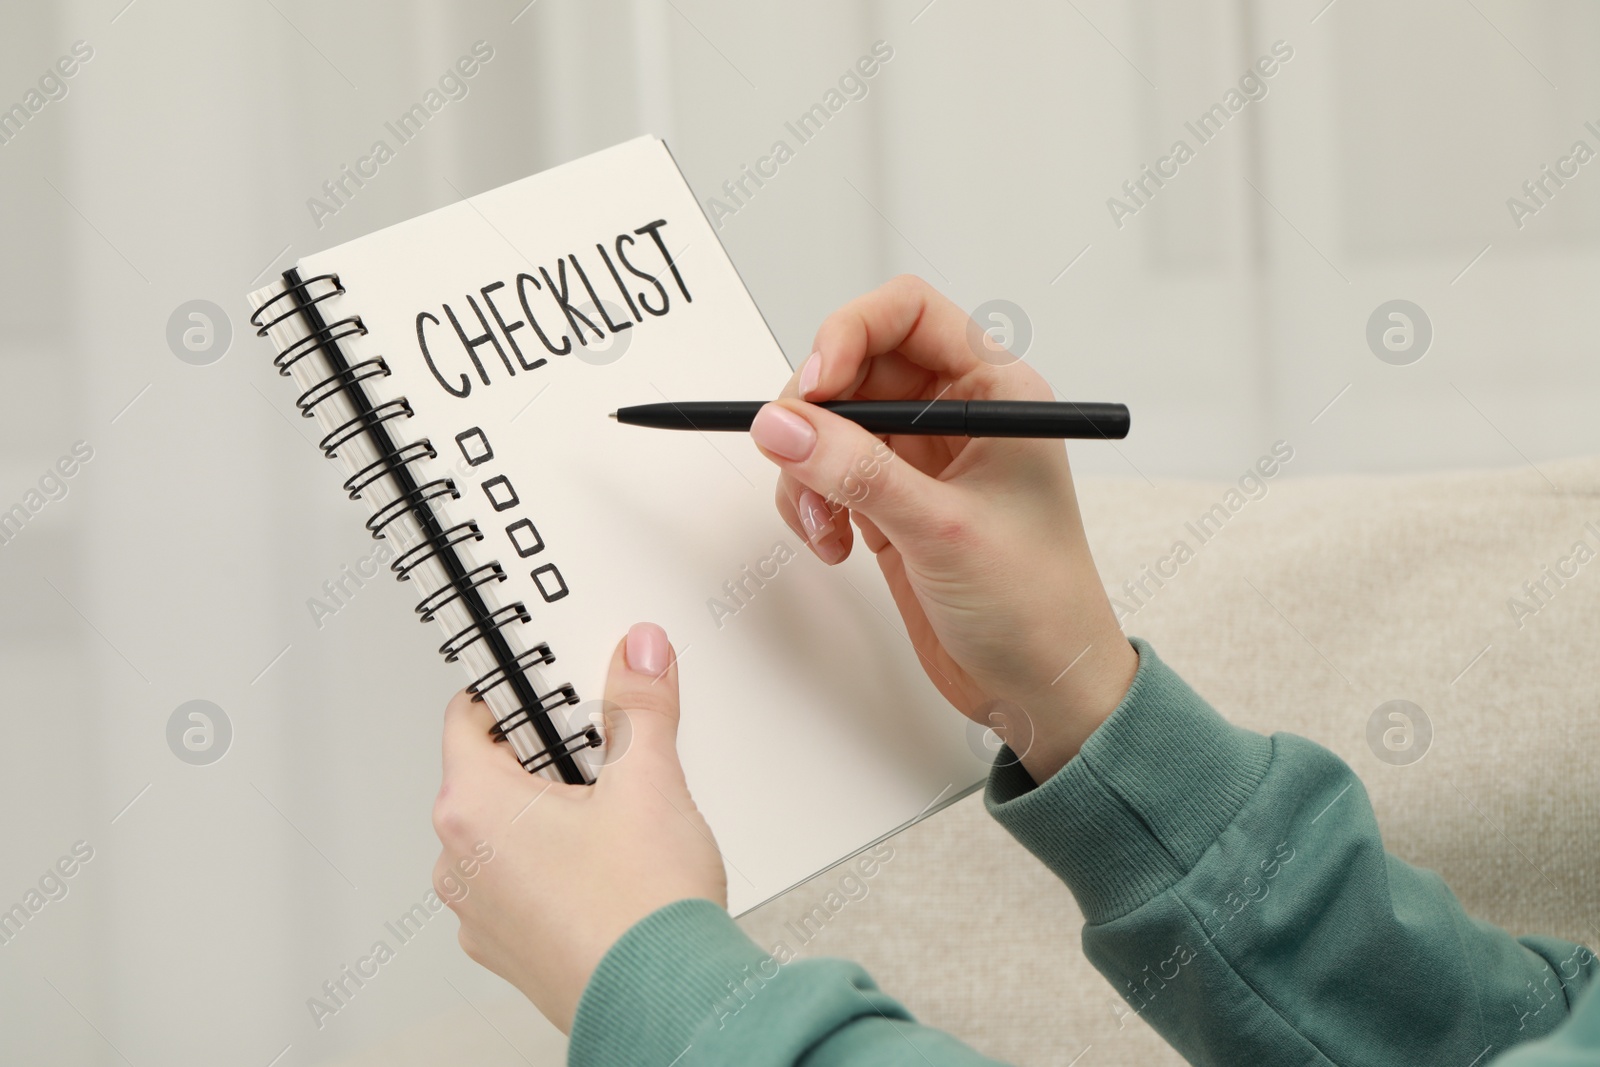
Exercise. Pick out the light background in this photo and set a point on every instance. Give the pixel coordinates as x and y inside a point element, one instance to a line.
<point>1229,313</point>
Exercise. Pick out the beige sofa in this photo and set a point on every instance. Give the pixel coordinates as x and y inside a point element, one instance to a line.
<point>1305,610</point>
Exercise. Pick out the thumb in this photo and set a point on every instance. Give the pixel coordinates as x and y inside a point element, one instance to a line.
<point>851,468</point>
<point>641,705</point>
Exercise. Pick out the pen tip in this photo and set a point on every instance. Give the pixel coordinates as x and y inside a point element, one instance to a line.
<point>612,415</point>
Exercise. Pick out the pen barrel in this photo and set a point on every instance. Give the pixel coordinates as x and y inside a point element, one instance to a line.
<point>1022,418</point>
<point>947,417</point>
<point>950,418</point>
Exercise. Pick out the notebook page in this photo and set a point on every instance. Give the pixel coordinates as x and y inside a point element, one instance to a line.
<point>808,728</point>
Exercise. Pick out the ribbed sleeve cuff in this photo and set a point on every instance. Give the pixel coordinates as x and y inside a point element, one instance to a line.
<point>661,982</point>
<point>1147,794</point>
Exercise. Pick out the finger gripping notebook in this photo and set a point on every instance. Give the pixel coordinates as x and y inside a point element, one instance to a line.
<point>461,366</point>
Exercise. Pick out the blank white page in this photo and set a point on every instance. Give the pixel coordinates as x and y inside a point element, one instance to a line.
<point>809,730</point>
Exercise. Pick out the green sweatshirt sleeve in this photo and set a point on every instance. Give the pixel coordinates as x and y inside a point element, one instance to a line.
<point>1237,895</point>
<point>685,987</point>
<point>1575,1044</point>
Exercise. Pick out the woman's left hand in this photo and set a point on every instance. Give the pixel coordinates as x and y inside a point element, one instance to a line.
<point>559,872</point>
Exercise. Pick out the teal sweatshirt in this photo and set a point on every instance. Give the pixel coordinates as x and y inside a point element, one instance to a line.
<point>1235,892</point>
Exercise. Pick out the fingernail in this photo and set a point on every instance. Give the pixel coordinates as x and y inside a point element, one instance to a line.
<point>646,649</point>
<point>814,516</point>
<point>810,371</point>
<point>777,429</point>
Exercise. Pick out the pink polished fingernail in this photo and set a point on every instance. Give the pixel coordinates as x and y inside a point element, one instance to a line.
<point>810,372</point>
<point>814,516</point>
<point>646,649</point>
<point>777,429</point>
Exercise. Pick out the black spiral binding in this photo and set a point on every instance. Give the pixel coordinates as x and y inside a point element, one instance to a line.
<point>439,543</point>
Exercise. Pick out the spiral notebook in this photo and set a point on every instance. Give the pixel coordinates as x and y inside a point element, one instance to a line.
<point>462,366</point>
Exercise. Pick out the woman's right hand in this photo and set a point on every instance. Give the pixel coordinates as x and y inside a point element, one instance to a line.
<point>980,539</point>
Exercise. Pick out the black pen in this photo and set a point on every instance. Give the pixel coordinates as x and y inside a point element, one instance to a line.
<point>950,418</point>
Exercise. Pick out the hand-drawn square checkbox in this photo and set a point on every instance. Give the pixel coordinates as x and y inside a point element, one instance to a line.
<point>474,445</point>
<point>500,493</point>
<point>551,585</point>
<point>524,538</point>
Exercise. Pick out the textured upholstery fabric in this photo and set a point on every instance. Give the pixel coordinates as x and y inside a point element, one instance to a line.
<point>1302,610</point>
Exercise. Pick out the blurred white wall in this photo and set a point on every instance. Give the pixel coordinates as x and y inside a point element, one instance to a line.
<point>1229,311</point>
